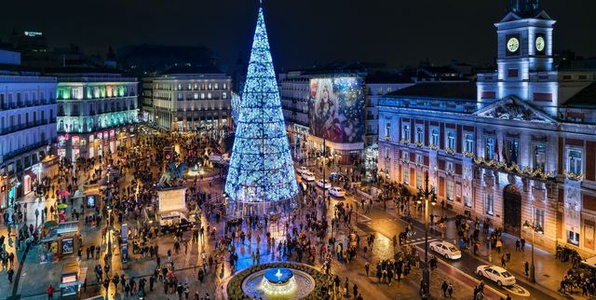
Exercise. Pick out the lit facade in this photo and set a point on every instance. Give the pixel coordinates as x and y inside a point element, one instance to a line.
<point>517,146</point>
<point>190,99</point>
<point>97,113</point>
<point>28,132</point>
<point>261,170</point>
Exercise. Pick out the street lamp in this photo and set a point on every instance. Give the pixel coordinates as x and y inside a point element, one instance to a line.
<point>423,195</point>
<point>109,231</point>
<point>535,229</point>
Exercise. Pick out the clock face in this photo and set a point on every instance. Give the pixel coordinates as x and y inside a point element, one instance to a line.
<point>540,44</point>
<point>513,44</point>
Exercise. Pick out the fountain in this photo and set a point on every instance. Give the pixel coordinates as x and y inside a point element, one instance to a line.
<point>278,281</point>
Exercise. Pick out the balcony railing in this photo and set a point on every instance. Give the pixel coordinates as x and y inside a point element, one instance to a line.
<point>23,150</point>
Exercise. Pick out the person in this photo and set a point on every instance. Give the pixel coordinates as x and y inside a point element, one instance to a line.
<point>527,268</point>
<point>450,290</point>
<point>366,268</point>
<point>508,297</point>
<point>444,287</point>
<point>50,292</point>
<point>10,274</point>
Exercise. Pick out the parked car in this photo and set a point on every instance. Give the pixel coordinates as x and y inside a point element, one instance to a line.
<point>445,249</point>
<point>497,274</point>
<point>322,184</point>
<point>302,170</point>
<point>337,192</point>
<point>308,176</point>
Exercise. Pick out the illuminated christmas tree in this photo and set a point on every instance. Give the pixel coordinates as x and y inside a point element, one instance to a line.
<point>261,167</point>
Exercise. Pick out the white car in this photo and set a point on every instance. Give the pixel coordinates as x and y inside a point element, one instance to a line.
<point>320,184</point>
<point>497,274</point>
<point>447,250</point>
<point>308,176</point>
<point>337,192</point>
<point>302,170</point>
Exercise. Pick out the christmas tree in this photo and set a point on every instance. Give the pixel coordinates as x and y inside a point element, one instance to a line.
<point>261,167</point>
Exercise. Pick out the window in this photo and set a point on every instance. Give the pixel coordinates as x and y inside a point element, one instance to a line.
<point>419,135</point>
<point>224,95</point>
<point>539,218</point>
<point>406,173</point>
<point>419,179</point>
<point>180,96</point>
<point>574,162</point>
<point>208,95</point>
<point>489,204</point>
<point>572,237</point>
<point>195,96</point>
<point>451,140</point>
<point>388,131</point>
<point>435,137</point>
<point>406,133</point>
<point>210,86</point>
<point>202,95</point>
<point>449,190</point>
<point>468,201</point>
<point>405,156</point>
<point>179,86</point>
<point>511,151</point>
<point>540,157</point>
<point>196,87</point>
<point>225,86</point>
<point>489,149</point>
<point>216,86</point>
<point>469,146</point>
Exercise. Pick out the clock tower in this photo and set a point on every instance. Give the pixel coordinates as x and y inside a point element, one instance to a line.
<point>525,63</point>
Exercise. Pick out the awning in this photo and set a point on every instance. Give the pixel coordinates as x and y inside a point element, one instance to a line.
<point>590,262</point>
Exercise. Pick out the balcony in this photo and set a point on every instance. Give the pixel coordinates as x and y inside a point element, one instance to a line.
<point>23,150</point>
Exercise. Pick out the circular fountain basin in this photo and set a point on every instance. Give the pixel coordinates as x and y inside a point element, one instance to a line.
<point>278,284</point>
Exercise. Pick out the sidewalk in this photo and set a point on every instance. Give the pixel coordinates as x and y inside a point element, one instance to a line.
<point>548,270</point>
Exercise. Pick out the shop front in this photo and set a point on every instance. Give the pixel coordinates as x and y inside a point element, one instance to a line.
<point>59,241</point>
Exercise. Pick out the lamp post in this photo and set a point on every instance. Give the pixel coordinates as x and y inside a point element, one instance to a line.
<point>109,231</point>
<point>423,195</point>
<point>536,228</point>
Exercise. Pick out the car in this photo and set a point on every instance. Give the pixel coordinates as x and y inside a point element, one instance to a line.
<point>447,250</point>
<point>497,274</point>
<point>301,170</point>
<point>326,184</point>
<point>337,192</point>
<point>308,176</point>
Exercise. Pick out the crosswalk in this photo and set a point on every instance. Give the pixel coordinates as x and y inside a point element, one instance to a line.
<point>418,241</point>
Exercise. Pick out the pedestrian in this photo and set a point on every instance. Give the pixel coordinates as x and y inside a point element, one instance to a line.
<point>444,287</point>
<point>366,268</point>
<point>10,274</point>
<point>503,260</point>
<point>450,290</point>
<point>527,268</point>
<point>523,244</point>
<point>50,292</point>
<point>518,245</point>
<point>355,290</point>
<point>151,281</point>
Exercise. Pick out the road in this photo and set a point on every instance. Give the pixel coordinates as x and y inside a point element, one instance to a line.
<point>385,223</point>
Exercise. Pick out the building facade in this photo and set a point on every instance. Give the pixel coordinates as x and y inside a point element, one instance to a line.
<point>97,112</point>
<point>516,148</point>
<point>190,99</point>
<point>357,96</point>
<point>27,131</point>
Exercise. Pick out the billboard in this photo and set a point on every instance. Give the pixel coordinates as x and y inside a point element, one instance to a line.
<point>336,109</point>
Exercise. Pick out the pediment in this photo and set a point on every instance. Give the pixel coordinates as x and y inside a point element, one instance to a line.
<point>512,108</point>
<point>510,17</point>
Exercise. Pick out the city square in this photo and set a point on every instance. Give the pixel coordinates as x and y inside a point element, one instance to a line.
<point>157,173</point>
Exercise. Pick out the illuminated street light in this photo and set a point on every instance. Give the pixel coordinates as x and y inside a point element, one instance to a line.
<point>535,229</point>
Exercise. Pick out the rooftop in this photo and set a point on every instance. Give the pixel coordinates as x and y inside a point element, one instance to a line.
<point>447,90</point>
<point>185,70</point>
<point>585,97</point>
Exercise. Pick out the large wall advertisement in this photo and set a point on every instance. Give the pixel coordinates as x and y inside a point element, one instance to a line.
<point>337,109</point>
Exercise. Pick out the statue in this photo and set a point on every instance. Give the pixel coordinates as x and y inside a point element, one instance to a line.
<point>172,176</point>
<point>524,7</point>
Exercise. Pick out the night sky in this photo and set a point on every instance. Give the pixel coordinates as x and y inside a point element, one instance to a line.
<point>301,33</point>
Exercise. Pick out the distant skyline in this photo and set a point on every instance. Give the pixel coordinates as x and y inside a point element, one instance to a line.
<point>301,32</point>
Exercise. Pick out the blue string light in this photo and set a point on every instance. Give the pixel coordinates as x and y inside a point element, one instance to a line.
<point>261,167</point>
